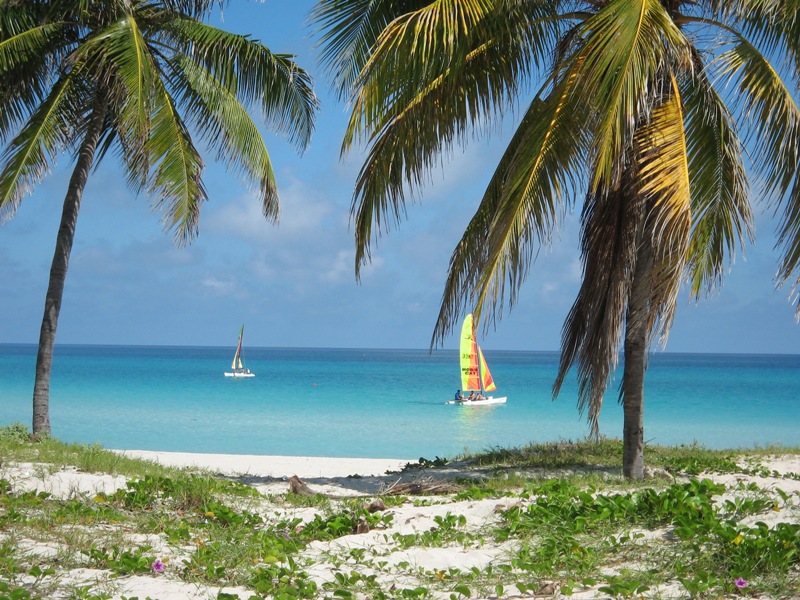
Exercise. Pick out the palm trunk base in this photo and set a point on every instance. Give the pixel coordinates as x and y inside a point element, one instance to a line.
<point>41,386</point>
<point>633,452</point>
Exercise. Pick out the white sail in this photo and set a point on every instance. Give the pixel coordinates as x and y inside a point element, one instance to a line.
<point>237,366</point>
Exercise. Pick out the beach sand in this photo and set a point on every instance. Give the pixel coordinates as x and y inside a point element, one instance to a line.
<point>273,466</point>
<point>336,477</point>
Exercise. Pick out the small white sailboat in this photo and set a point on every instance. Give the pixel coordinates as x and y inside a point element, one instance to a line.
<point>238,368</point>
<point>475,375</point>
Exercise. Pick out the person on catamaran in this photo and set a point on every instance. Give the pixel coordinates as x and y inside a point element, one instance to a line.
<point>458,397</point>
<point>471,396</point>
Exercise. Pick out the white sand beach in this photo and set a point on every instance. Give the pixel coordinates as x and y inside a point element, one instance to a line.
<point>273,466</point>
<point>354,553</point>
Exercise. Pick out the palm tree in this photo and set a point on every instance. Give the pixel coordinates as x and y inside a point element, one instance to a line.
<point>138,77</point>
<point>636,108</point>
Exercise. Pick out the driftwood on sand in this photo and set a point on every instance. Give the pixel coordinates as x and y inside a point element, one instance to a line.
<point>420,488</point>
<point>412,488</point>
<point>299,487</point>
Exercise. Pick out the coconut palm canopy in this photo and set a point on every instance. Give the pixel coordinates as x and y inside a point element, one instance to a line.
<point>647,111</point>
<point>141,78</point>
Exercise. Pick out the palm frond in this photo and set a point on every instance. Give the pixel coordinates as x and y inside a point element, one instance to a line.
<point>400,69</point>
<point>27,49</point>
<point>441,40</point>
<point>789,20</point>
<point>274,83</point>
<point>770,25</point>
<point>531,188</point>
<point>197,9</point>
<point>120,59</point>
<point>29,156</point>
<point>664,182</point>
<point>228,127</point>
<point>721,213</point>
<point>177,167</point>
<point>430,115</point>
<point>773,111</point>
<point>612,227</point>
<point>626,44</point>
<point>350,29</point>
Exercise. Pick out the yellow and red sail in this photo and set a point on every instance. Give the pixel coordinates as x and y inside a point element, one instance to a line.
<point>475,373</point>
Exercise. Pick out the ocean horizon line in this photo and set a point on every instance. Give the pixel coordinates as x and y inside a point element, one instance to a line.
<point>375,348</point>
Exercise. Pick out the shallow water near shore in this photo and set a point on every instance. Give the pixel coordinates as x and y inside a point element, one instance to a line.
<point>383,403</point>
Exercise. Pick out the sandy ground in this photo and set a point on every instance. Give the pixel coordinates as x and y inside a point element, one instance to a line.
<point>305,467</point>
<point>336,477</point>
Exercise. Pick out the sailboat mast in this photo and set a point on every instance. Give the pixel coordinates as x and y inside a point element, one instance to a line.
<point>480,368</point>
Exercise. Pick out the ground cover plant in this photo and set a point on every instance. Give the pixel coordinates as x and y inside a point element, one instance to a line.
<point>551,520</point>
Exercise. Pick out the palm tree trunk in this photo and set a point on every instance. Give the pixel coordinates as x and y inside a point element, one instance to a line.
<point>58,270</point>
<point>636,323</point>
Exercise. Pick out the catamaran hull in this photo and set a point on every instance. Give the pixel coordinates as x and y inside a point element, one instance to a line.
<point>484,402</point>
<point>240,375</point>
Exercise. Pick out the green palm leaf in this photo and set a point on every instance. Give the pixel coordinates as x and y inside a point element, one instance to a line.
<point>534,183</point>
<point>448,39</point>
<point>481,75</point>
<point>270,82</point>
<point>227,126</point>
<point>119,57</point>
<point>176,182</point>
<point>626,43</point>
<point>351,28</point>
<point>31,153</point>
<point>25,64</point>
<point>664,183</point>
<point>721,210</point>
<point>775,118</point>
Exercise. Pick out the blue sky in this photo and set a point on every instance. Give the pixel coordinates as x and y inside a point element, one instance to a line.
<point>293,285</point>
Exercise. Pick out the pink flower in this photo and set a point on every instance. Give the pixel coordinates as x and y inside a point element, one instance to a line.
<point>741,583</point>
<point>158,566</point>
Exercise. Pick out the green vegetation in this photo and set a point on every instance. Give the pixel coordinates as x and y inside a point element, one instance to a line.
<point>688,459</point>
<point>554,525</point>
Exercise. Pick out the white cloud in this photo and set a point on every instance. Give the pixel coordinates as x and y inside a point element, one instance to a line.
<point>416,307</point>
<point>305,212</point>
<point>240,217</point>
<point>219,287</point>
<point>550,287</point>
<point>373,267</point>
<point>341,268</point>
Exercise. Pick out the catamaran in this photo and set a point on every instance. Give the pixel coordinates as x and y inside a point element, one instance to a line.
<point>475,375</point>
<point>238,368</point>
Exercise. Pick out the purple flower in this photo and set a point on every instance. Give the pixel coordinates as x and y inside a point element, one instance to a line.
<point>741,583</point>
<point>158,566</point>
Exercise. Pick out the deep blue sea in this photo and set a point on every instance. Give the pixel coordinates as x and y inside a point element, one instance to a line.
<point>382,403</point>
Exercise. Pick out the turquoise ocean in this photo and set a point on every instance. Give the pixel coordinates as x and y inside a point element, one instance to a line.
<point>383,403</point>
